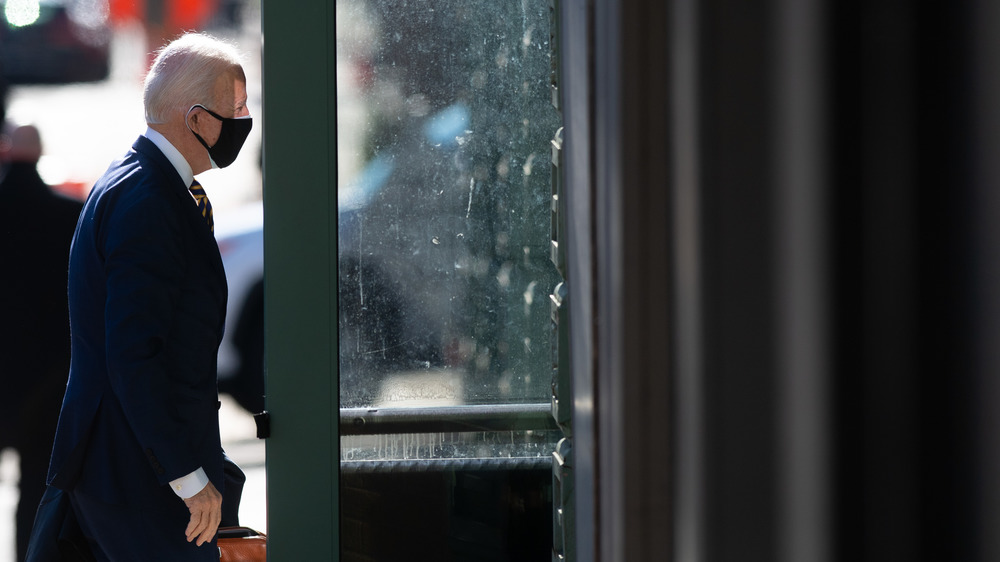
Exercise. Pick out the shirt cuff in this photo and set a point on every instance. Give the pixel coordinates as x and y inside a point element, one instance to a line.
<point>187,486</point>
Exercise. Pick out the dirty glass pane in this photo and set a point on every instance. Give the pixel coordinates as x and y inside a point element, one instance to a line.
<point>444,122</point>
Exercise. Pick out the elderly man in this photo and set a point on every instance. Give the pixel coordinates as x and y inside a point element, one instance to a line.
<point>137,447</point>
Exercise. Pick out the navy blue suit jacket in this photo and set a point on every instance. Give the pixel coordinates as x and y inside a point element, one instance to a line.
<point>147,295</point>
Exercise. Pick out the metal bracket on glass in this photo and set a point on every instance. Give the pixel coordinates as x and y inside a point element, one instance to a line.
<point>562,398</point>
<point>557,224</point>
<point>554,51</point>
<point>563,539</point>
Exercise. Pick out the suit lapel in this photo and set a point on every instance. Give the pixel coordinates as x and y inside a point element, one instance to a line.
<point>206,240</point>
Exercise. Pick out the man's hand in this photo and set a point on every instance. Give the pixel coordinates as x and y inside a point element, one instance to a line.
<point>206,514</point>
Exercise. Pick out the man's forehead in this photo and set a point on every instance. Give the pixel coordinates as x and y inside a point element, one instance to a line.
<point>229,89</point>
<point>240,91</point>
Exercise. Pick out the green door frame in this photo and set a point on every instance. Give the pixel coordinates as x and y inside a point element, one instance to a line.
<point>300,251</point>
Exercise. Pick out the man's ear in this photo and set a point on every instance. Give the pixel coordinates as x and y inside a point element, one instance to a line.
<point>196,119</point>
<point>193,118</point>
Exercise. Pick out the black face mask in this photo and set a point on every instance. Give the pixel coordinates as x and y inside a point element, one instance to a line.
<point>231,138</point>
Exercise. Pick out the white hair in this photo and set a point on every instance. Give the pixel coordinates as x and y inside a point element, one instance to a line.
<point>184,74</point>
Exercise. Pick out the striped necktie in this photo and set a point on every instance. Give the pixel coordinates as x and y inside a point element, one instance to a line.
<point>203,204</point>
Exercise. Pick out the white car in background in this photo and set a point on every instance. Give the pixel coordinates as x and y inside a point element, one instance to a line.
<point>240,234</point>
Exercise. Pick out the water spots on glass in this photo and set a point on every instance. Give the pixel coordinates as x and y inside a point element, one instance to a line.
<point>526,168</point>
<point>444,219</point>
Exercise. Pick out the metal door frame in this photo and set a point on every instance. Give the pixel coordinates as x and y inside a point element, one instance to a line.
<point>300,174</point>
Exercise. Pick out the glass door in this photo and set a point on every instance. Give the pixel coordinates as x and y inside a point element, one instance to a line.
<point>445,122</point>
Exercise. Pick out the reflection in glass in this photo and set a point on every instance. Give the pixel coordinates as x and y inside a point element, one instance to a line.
<point>444,119</point>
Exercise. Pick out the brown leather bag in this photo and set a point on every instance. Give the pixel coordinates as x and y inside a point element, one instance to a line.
<point>242,544</point>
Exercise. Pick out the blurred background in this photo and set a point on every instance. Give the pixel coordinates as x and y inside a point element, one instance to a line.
<point>75,69</point>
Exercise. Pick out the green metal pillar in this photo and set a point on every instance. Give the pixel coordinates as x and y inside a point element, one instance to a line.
<point>300,228</point>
